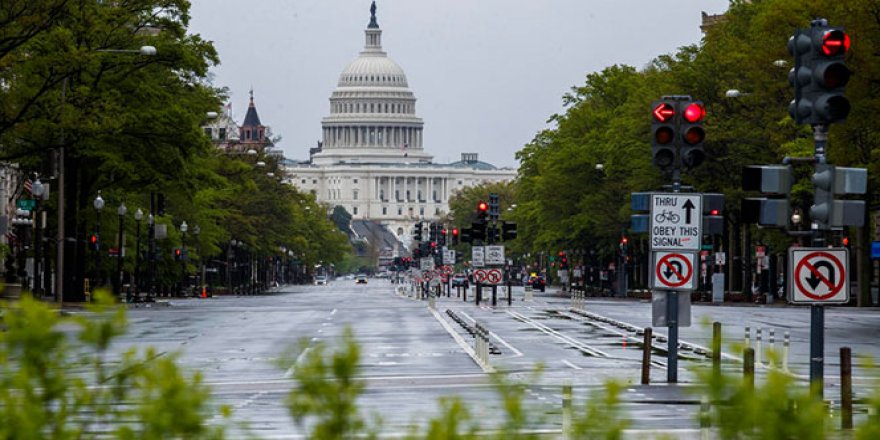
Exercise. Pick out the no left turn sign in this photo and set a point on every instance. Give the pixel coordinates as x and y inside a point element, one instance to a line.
<point>673,270</point>
<point>818,275</point>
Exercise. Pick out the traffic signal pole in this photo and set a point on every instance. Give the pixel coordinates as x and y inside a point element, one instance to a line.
<point>817,310</point>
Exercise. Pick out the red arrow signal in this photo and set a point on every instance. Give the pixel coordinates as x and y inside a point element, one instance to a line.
<point>664,112</point>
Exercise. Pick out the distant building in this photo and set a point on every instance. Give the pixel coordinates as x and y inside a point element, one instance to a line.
<point>372,160</point>
<point>234,139</point>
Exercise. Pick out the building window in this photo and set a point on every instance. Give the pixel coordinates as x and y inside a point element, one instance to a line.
<point>399,211</point>
<point>304,181</point>
<point>314,181</point>
<point>382,195</point>
<point>208,131</point>
<point>435,196</point>
<point>313,192</point>
<point>355,181</point>
<point>354,195</point>
<point>354,210</point>
<point>459,182</point>
<point>437,212</point>
<point>420,195</point>
<point>397,194</point>
<point>384,210</point>
<point>407,196</point>
<point>422,210</point>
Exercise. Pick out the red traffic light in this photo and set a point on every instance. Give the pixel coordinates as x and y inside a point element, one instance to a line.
<point>177,252</point>
<point>714,212</point>
<point>846,241</point>
<point>624,240</point>
<point>455,232</point>
<point>663,135</point>
<point>93,239</point>
<point>694,112</point>
<point>694,135</point>
<point>835,42</point>
<point>444,232</point>
<point>663,112</point>
<point>433,244</point>
<point>482,206</point>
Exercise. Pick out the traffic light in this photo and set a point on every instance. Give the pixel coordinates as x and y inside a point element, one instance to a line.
<point>829,181</point>
<point>491,234</point>
<point>663,134</point>
<point>417,232</point>
<point>508,231</point>
<point>713,214</point>
<point>443,233</point>
<point>467,235</point>
<point>93,241</point>
<point>433,232</point>
<point>178,255</point>
<point>478,231</point>
<point>767,179</point>
<point>563,260</point>
<point>819,75</point>
<point>692,133</point>
<point>494,206</point>
<point>482,210</point>
<point>160,204</point>
<point>455,236</point>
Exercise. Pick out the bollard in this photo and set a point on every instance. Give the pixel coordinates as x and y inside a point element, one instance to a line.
<point>646,357</point>
<point>509,293</point>
<point>494,296</point>
<point>716,349</point>
<point>748,337</point>
<point>771,346</point>
<point>749,368</point>
<point>479,296</point>
<point>758,346</point>
<point>566,411</point>
<point>846,416</point>
<point>785,343</point>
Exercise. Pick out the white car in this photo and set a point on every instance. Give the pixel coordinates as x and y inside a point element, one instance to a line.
<point>320,280</point>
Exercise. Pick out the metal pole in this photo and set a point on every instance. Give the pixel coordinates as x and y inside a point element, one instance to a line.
<point>672,347</point>
<point>137,260</point>
<point>716,349</point>
<point>59,237</point>
<point>846,418</point>
<point>118,277</point>
<point>817,347</point>
<point>98,253</point>
<point>646,356</point>
<point>38,244</point>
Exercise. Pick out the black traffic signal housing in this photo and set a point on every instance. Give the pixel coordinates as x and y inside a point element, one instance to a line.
<point>417,232</point>
<point>508,231</point>
<point>417,253</point>
<point>455,236</point>
<point>482,210</point>
<point>713,214</point>
<point>563,260</point>
<point>178,254</point>
<point>432,235</point>
<point>767,179</point>
<point>692,133</point>
<point>819,75</point>
<point>492,234</point>
<point>160,204</point>
<point>442,238</point>
<point>94,242</point>
<point>494,206</point>
<point>663,121</point>
<point>478,231</point>
<point>466,235</point>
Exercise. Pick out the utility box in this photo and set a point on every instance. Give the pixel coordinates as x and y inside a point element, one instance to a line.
<point>718,288</point>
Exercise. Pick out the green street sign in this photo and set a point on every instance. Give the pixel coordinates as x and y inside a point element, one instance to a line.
<point>26,204</point>
<point>706,247</point>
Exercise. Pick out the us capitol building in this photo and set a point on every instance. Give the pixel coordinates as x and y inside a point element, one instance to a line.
<point>372,160</point>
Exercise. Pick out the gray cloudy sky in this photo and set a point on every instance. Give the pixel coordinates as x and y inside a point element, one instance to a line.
<point>487,73</point>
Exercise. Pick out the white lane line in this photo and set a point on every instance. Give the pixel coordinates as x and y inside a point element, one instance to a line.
<point>333,312</point>
<point>559,335</point>
<point>516,353</point>
<point>566,362</point>
<point>464,345</point>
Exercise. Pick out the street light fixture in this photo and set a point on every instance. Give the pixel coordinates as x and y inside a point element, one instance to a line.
<point>117,279</point>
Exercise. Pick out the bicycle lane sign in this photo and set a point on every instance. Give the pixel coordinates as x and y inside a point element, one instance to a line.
<point>676,221</point>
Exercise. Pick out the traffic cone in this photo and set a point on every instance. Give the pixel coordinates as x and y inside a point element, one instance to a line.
<point>204,292</point>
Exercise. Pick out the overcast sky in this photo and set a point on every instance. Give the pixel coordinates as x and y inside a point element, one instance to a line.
<point>487,73</point>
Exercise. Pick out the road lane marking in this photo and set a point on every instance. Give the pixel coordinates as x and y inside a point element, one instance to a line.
<point>464,345</point>
<point>289,373</point>
<point>566,362</point>
<point>516,353</point>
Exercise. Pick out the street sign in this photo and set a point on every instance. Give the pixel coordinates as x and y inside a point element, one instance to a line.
<point>720,258</point>
<point>875,250</point>
<point>659,308</point>
<point>495,255</point>
<point>480,276</point>
<point>26,204</point>
<point>819,275</point>
<point>478,256</point>
<point>673,270</point>
<point>426,263</point>
<point>493,276</point>
<point>676,221</point>
<point>449,257</point>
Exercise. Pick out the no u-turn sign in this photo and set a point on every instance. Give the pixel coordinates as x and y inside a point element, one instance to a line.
<point>818,275</point>
<point>673,270</point>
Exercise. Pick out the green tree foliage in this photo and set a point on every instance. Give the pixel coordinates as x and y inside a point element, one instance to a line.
<point>56,381</point>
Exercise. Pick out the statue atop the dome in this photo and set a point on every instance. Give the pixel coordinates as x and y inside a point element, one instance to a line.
<point>373,23</point>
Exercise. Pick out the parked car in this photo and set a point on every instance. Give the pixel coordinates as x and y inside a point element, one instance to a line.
<point>360,279</point>
<point>459,279</point>
<point>320,280</point>
<point>537,283</point>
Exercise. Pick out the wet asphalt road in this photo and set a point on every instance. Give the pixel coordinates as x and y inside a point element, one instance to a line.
<point>412,356</point>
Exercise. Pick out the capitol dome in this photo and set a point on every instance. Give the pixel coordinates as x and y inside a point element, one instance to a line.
<point>372,111</point>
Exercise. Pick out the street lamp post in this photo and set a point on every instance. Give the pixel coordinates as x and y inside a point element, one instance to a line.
<point>201,268</point>
<point>37,189</point>
<point>117,278</point>
<point>151,254</point>
<point>136,279</point>
<point>183,228</point>
<point>98,204</point>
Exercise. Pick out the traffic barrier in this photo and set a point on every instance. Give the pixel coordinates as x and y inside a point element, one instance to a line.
<point>646,356</point>
<point>785,349</point>
<point>846,416</point>
<point>566,411</point>
<point>758,346</point>
<point>771,342</point>
<point>748,338</point>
